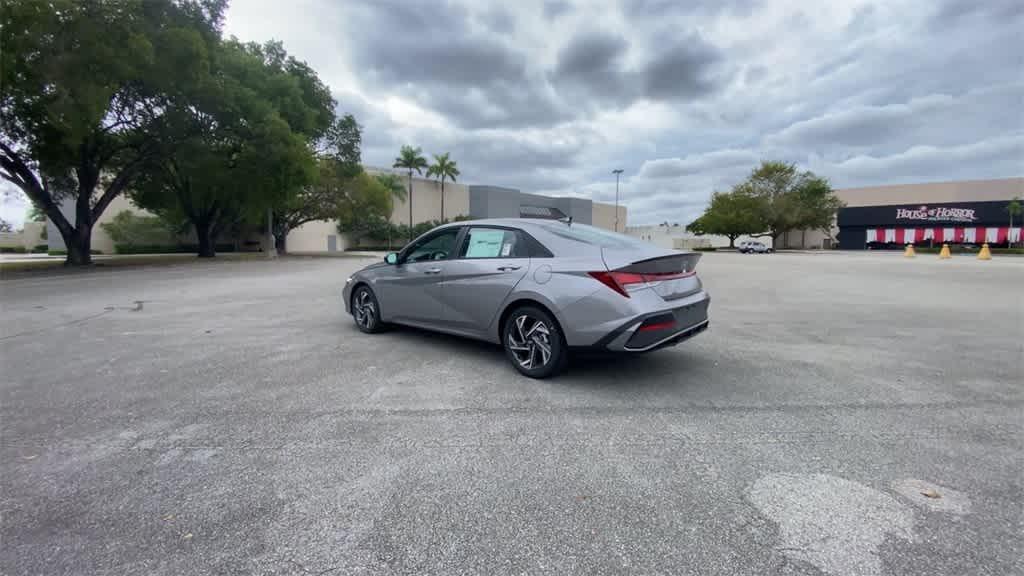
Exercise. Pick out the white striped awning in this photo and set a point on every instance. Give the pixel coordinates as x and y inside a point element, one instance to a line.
<point>968,234</point>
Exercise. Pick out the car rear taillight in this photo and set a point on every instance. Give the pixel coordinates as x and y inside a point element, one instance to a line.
<point>623,282</point>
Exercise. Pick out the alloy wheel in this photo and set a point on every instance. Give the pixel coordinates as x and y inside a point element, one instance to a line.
<point>529,339</point>
<point>365,311</point>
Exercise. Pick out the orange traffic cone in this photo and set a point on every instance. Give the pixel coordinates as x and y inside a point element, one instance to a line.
<point>944,253</point>
<point>909,252</point>
<point>984,253</point>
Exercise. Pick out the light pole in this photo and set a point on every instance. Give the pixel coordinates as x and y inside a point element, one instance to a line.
<point>617,172</point>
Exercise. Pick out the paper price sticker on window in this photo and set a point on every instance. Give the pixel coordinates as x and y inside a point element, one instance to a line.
<point>485,243</point>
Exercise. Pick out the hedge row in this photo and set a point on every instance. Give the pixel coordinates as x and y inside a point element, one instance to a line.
<point>164,249</point>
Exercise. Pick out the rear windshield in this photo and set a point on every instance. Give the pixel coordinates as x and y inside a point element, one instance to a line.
<point>591,235</point>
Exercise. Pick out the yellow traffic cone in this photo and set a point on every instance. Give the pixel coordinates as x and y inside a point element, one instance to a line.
<point>909,252</point>
<point>984,253</point>
<point>944,253</point>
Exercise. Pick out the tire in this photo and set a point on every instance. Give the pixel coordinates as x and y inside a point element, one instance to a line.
<point>524,334</point>
<point>366,310</point>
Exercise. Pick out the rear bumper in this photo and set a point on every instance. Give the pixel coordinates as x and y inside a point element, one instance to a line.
<point>650,331</point>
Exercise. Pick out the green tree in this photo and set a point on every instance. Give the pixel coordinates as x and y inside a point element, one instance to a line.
<point>816,204</point>
<point>443,168</point>
<point>5,226</point>
<point>394,184</point>
<point>131,230</point>
<point>1013,208</point>
<point>248,143</point>
<point>730,214</point>
<point>34,214</point>
<point>341,152</point>
<point>789,199</point>
<point>86,86</point>
<point>364,206</point>
<point>410,159</point>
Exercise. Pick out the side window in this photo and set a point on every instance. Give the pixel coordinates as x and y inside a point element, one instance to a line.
<point>437,247</point>
<point>494,243</point>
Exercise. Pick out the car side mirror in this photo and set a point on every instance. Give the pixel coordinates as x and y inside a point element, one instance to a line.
<point>391,258</point>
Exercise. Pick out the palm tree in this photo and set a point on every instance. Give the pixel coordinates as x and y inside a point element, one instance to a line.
<point>443,168</point>
<point>410,159</point>
<point>1014,209</point>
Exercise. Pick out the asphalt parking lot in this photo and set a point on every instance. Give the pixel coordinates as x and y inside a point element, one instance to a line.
<point>845,414</point>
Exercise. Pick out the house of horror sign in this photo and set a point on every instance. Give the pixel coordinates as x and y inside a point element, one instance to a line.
<point>936,214</point>
<point>917,215</point>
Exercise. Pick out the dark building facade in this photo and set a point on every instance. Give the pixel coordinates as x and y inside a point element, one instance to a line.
<point>892,216</point>
<point>896,225</point>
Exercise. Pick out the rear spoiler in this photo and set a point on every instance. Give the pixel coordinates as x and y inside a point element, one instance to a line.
<point>656,261</point>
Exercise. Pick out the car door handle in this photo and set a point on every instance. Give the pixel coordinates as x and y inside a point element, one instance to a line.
<point>508,268</point>
<point>432,271</point>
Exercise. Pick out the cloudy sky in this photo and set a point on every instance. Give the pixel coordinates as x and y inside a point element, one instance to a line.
<point>685,96</point>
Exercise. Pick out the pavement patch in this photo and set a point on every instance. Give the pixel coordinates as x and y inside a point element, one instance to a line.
<point>835,524</point>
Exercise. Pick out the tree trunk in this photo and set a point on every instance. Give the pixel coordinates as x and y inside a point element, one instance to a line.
<point>732,241</point>
<point>204,234</point>
<point>280,243</point>
<point>78,245</point>
<point>410,205</point>
<point>803,239</point>
<point>442,200</point>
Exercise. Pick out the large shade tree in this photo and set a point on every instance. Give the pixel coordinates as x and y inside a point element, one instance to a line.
<point>85,88</point>
<point>789,199</point>
<point>246,142</point>
<point>410,159</point>
<point>443,168</point>
<point>730,214</point>
<point>340,148</point>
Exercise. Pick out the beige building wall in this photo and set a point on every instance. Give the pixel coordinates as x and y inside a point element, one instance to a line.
<point>32,234</point>
<point>603,216</point>
<point>315,237</point>
<point>934,192</point>
<point>426,200</point>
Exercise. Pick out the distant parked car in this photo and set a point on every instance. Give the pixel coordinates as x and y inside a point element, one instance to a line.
<point>538,287</point>
<point>753,246</point>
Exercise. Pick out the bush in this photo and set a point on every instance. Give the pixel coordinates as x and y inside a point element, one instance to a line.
<point>165,249</point>
<point>12,249</point>
<point>130,229</point>
<point>705,249</point>
<point>65,252</point>
<point>400,232</point>
<point>40,248</point>
<point>394,248</point>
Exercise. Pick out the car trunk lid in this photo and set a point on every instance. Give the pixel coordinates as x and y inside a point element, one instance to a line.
<point>670,273</point>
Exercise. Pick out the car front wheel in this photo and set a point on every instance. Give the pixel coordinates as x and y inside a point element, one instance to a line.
<point>366,310</point>
<point>534,343</point>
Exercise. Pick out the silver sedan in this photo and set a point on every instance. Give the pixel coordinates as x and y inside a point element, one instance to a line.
<point>537,287</point>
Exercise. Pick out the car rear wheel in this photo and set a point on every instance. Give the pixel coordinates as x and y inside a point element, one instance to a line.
<point>366,311</point>
<point>534,343</point>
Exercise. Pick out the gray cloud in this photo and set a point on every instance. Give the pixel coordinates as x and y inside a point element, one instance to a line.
<point>592,64</point>
<point>685,96</point>
<point>684,70</point>
<point>676,167</point>
<point>555,8</point>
